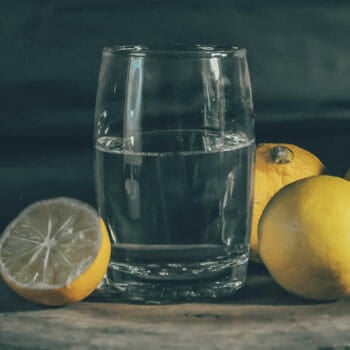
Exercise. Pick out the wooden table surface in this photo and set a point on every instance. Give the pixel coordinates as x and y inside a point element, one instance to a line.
<point>260,316</point>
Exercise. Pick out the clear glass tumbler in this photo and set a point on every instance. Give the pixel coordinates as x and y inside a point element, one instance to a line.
<point>175,146</point>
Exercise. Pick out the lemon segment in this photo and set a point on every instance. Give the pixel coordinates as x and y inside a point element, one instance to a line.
<point>55,252</point>
<point>304,237</point>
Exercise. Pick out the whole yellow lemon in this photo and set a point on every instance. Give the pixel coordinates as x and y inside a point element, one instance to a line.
<point>277,165</point>
<point>304,237</point>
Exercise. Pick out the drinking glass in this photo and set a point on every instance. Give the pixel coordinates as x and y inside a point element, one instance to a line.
<point>174,153</point>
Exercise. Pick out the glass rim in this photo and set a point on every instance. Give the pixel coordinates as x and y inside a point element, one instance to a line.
<point>188,51</point>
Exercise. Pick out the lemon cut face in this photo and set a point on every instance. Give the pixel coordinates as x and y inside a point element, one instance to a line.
<point>55,252</point>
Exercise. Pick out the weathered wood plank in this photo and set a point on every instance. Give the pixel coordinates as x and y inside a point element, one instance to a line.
<point>260,316</point>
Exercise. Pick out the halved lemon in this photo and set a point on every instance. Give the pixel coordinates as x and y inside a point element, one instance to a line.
<point>55,252</point>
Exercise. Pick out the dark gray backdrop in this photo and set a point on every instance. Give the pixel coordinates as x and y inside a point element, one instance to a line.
<point>298,52</point>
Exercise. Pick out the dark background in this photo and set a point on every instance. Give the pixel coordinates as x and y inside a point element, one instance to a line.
<point>298,52</point>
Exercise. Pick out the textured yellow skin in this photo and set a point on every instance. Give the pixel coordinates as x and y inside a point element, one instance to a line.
<point>270,177</point>
<point>304,238</point>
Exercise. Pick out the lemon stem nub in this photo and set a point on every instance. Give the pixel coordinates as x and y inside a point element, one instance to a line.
<point>281,155</point>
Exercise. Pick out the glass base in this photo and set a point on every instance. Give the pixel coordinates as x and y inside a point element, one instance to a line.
<point>173,283</point>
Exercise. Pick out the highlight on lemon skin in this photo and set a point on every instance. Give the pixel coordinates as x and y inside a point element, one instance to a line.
<point>276,165</point>
<point>55,252</point>
<point>304,237</point>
